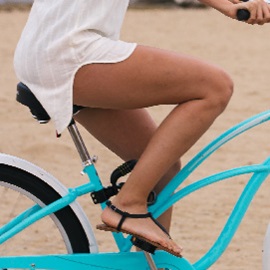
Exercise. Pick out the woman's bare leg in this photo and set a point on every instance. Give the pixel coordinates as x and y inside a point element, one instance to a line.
<point>129,133</point>
<point>150,77</point>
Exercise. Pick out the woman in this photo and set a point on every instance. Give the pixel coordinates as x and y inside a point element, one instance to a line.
<point>70,53</point>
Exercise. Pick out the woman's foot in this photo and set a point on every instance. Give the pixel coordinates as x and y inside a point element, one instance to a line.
<point>144,227</point>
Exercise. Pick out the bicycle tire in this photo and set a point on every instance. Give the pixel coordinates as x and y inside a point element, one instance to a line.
<point>41,193</point>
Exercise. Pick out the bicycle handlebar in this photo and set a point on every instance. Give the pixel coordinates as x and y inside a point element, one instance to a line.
<point>243,15</point>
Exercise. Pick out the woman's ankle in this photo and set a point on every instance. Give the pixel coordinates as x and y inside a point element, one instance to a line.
<point>130,204</point>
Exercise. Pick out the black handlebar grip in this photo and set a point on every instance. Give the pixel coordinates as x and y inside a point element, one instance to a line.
<point>243,15</point>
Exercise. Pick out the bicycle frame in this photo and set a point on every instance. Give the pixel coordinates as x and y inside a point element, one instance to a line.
<point>164,201</point>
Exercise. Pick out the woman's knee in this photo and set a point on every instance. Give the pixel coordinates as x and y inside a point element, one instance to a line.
<point>221,90</point>
<point>226,88</point>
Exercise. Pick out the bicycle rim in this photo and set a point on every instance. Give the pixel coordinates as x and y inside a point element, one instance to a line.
<point>59,233</point>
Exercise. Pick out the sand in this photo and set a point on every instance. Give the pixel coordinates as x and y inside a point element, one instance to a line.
<point>240,49</point>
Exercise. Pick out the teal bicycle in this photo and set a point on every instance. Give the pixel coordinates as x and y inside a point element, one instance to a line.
<point>39,197</point>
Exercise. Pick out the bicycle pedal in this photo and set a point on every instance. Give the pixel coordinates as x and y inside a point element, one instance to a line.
<point>142,244</point>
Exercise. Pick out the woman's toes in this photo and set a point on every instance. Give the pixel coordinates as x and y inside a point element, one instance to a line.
<point>176,248</point>
<point>165,243</point>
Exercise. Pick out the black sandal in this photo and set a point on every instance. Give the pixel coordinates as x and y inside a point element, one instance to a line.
<point>138,240</point>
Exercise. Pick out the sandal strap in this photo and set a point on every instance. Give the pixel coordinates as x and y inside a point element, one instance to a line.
<point>126,215</point>
<point>160,226</point>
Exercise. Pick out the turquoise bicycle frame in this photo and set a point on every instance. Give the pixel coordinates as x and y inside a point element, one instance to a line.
<point>165,200</point>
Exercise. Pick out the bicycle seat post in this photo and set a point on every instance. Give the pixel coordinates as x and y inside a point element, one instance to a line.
<point>79,143</point>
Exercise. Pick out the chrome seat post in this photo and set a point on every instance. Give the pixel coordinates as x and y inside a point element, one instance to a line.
<point>79,143</point>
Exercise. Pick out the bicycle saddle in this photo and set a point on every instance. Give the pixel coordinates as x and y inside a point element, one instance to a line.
<point>27,98</point>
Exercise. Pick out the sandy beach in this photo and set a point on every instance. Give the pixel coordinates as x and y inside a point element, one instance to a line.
<point>243,51</point>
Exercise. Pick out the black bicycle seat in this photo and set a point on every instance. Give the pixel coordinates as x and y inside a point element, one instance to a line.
<point>27,98</point>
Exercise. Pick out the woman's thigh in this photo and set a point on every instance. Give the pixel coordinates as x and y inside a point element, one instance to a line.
<point>148,77</point>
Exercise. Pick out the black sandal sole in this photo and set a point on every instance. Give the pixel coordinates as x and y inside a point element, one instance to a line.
<point>104,227</point>
<point>137,240</point>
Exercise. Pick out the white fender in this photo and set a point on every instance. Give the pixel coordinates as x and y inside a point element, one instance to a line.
<point>266,250</point>
<point>56,185</point>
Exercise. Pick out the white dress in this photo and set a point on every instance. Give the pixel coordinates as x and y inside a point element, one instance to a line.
<point>60,36</point>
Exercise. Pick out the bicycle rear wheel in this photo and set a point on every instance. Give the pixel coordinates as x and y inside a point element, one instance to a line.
<point>61,232</point>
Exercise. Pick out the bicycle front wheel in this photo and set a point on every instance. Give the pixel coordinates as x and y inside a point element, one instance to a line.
<point>61,232</point>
